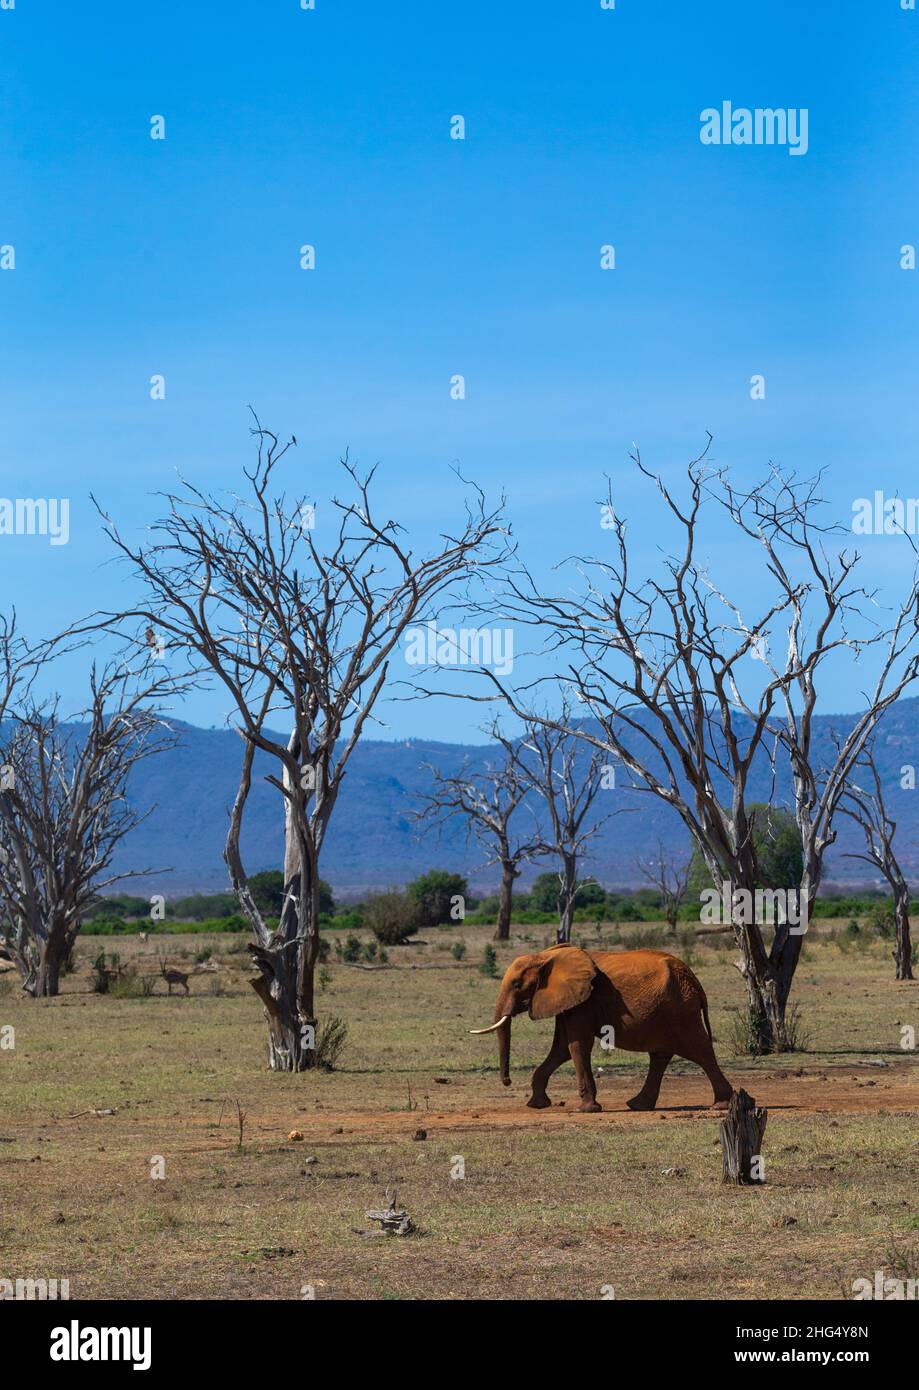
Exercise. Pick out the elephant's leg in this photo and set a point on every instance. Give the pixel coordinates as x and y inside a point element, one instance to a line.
<point>701,1052</point>
<point>558,1053</point>
<point>580,1049</point>
<point>647,1096</point>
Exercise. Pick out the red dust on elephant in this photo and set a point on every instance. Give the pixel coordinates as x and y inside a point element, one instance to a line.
<point>652,1001</point>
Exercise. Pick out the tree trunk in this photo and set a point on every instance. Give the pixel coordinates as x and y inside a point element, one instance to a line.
<point>286,957</point>
<point>566,897</point>
<point>903,951</point>
<point>742,1131</point>
<point>284,984</point>
<point>45,980</point>
<point>765,1000</point>
<point>508,874</point>
<point>291,1029</point>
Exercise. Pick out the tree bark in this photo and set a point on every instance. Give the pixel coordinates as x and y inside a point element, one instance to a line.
<point>742,1131</point>
<point>767,987</point>
<point>509,872</point>
<point>566,896</point>
<point>903,951</point>
<point>284,984</point>
<point>45,979</point>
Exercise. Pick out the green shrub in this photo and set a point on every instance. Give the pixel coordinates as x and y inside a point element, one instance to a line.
<point>881,921</point>
<point>489,966</point>
<point>434,896</point>
<point>458,950</point>
<point>391,916</point>
<point>201,906</point>
<point>103,972</point>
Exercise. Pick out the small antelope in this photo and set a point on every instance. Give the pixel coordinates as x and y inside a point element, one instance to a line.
<point>143,936</point>
<point>173,977</point>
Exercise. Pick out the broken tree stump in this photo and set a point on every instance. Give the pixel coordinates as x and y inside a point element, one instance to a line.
<point>742,1131</point>
<point>393,1221</point>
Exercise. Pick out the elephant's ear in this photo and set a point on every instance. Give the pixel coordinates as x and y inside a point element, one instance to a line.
<point>566,979</point>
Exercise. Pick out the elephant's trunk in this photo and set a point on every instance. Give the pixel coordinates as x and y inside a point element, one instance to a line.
<point>502,1029</point>
<point>504,1050</point>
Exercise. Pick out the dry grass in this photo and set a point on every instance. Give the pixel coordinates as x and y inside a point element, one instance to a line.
<point>552,1204</point>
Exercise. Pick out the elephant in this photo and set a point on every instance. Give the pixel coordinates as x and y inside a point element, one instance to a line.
<point>652,999</point>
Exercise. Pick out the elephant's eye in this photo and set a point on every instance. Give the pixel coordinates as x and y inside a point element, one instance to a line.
<point>515,984</point>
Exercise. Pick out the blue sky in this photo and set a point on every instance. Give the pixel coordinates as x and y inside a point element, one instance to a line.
<point>436,257</point>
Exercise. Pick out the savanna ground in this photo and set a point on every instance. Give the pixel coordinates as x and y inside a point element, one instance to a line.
<point>553,1204</point>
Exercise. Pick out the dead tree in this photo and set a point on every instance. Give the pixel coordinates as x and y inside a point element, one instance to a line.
<point>667,668</point>
<point>829,610</point>
<point>297,617</point>
<point>487,800</point>
<point>552,765</point>
<point>866,806</point>
<point>64,811</point>
<point>741,1133</point>
<point>671,879</point>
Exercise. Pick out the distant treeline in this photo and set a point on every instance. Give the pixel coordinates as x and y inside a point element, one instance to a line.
<point>435,899</point>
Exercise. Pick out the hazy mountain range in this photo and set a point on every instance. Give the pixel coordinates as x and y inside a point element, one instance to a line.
<point>374,842</point>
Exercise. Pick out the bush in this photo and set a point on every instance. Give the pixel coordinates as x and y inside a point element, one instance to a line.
<point>391,916</point>
<point>546,887</point>
<point>267,888</point>
<point>434,896</point>
<point>626,911</point>
<point>329,1043</point>
<point>647,939</point>
<point>115,926</point>
<point>104,972</point>
<point>127,984</point>
<point>881,921</point>
<point>489,966</point>
<point>120,905</point>
<point>743,1039</point>
<point>544,893</point>
<point>199,906</point>
<point>351,949</point>
<point>458,950</point>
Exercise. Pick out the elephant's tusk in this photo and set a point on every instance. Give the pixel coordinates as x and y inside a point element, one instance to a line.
<point>493,1026</point>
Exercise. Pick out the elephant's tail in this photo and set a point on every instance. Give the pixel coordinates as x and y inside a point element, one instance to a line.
<point>708,1026</point>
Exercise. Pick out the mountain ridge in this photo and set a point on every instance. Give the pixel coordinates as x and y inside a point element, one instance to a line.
<point>373,842</point>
